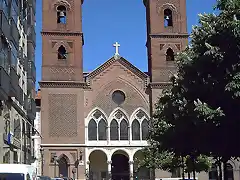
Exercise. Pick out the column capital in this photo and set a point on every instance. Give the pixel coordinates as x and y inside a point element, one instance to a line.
<point>131,162</point>
<point>109,162</point>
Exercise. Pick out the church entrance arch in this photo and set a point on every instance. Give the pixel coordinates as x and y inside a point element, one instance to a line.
<point>98,167</point>
<point>63,166</point>
<point>140,172</point>
<point>120,166</point>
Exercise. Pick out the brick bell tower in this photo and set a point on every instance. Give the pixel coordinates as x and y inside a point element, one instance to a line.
<point>62,85</point>
<point>166,36</point>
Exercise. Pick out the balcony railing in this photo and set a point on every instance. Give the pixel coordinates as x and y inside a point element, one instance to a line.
<point>31,73</point>
<point>31,110</point>
<point>25,106</point>
<point>4,26</point>
<point>32,3</point>
<point>20,100</point>
<point>32,35</point>
<point>14,33</point>
<point>4,84</point>
<point>14,83</point>
<point>20,56</point>
<point>25,62</point>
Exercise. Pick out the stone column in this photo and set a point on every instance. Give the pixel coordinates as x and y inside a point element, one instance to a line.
<point>87,170</point>
<point>108,134</point>
<point>131,169</point>
<point>109,169</point>
<point>236,173</point>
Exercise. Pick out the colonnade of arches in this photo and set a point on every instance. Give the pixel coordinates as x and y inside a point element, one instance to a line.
<point>118,126</point>
<point>119,164</point>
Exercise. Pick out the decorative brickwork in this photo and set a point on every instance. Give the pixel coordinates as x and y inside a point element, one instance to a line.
<point>62,115</point>
<point>133,99</point>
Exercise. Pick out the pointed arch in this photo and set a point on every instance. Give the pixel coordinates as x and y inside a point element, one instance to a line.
<point>135,130</point>
<point>92,112</point>
<point>65,3</point>
<point>102,130</point>
<point>63,165</point>
<point>62,52</point>
<point>116,112</point>
<point>168,17</point>
<point>66,155</point>
<point>139,110</point>
<point>124,130</point>
<point>145,129</point>
<point>170,54</point>
<point>92,130</point>
<point>114,130</point>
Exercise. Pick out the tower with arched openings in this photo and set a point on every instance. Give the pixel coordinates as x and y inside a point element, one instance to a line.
<point>95,124</point>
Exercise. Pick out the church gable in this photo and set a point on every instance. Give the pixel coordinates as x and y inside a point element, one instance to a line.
<point>122,64</point>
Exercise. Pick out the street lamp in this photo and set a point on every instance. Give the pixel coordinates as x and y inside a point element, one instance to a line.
<point>55,165</point>
<point>41,151</point>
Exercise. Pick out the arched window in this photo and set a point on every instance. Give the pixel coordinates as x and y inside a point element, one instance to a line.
<point>169,55</point>
<point>114,134</point>
<point>135,130</point>
<point>230,171</point>
<point>62,53</point>
<point>61,15</point>
<point>63,166</point>
<point>92,130</point>
<point>102,130</point>
<point>124,130</point>
<point>213,173</point>
<point>168,19</point>
<point>145,129</point>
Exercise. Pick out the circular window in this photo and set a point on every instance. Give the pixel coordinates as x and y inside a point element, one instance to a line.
<point>118,97</point>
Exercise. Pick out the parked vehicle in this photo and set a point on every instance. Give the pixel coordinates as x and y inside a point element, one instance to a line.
<point>43,178</point>
<point>17,172</point>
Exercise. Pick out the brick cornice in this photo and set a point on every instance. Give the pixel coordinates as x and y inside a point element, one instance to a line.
<point>64,84</point>
<point>180,36</point>
<point>54,33</point>
<point>160,85</point>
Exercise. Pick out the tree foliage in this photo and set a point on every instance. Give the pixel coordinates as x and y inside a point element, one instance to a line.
<point>199,115</point>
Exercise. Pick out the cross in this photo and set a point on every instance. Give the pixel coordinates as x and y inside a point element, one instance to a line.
<point>116,45</point>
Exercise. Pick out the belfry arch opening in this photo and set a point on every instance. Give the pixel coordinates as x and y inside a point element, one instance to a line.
<point>168,18</point>
<point>62,53</point>
<point>61,15</point>
<point>170,55</point>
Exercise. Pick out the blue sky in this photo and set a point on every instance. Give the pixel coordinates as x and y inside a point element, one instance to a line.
<point>108,21</point>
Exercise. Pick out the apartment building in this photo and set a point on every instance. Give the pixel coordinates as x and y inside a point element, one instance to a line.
<point>17,80</point>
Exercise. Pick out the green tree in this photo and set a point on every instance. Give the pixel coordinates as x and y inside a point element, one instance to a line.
<point>199,114</point>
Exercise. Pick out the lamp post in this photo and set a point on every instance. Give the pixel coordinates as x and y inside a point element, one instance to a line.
<point>55,165</point>
<point>41,151</point>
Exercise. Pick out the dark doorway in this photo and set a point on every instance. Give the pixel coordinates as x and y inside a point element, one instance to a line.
<point>120,167</point>
<point>63,167</point>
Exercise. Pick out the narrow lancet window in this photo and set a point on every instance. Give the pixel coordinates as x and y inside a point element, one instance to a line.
<point>62,53</point>
<point>61,15</point>
<point>170,55</point>
<point>168,19</point>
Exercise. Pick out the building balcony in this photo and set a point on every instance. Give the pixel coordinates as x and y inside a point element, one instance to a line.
<point>31,72</point>
<point>15,36</point>
<point>20,99</point>
<point>4,24</point>
<point>25,102</point>
<point>25,63</point>
<point>31,38</point>
<point>31,109</point>
<point>32,3</point>
<point>20,56</point>
<point>14,83</point>
<point>4,84</point>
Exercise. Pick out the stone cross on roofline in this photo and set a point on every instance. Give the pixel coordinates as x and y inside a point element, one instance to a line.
<point>116,45</point>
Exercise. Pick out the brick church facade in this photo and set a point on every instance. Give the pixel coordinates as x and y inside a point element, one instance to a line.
<point>95,124</point>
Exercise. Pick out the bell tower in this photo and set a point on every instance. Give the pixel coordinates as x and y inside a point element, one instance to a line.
<point>166,36</point>
<point>62,84</point>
